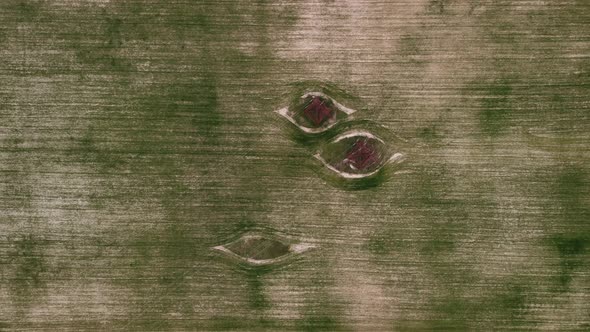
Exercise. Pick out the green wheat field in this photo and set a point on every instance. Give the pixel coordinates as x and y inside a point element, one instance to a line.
<point>138,136</point>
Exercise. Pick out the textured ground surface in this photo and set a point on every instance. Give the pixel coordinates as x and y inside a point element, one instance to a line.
<point>136,135</point>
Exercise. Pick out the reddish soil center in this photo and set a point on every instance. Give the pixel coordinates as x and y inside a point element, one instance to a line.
<point>317,112</point>
<point>362,155</point>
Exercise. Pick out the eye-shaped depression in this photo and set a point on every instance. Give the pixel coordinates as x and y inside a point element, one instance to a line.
<point>315,112</point>
<point>357,154</point>
<point>256,249</point>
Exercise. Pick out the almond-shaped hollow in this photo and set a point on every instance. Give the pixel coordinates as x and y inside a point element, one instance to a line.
<point>357,154</point>
<point>259,250</point>
<point>315,112</point>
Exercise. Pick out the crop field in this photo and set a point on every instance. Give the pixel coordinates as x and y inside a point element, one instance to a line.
<point>355,165</point>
